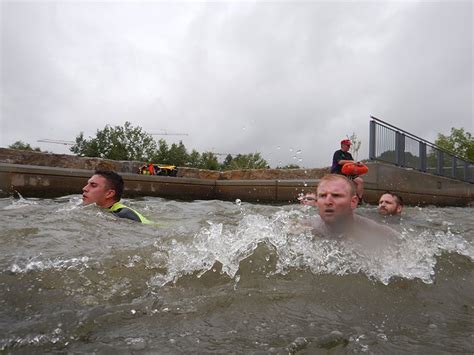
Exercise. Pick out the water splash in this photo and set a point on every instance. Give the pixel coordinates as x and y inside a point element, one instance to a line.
<point>36,264</point>
<point>411,257</point>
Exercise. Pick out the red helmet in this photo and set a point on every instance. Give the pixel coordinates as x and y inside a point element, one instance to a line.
<point>346,142</point>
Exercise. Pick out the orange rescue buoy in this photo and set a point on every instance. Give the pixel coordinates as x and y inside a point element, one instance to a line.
<point>354,169</point>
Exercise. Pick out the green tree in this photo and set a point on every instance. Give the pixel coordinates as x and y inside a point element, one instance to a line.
<point>194,159</point>
<point>227,161</point>
<point>209,161</point>
<point>85,148</point>
<point>289,166</point>
<point>162,153</point>
<point>459,142</point>
<point>178,154</point>
<point>118,143</point>
<point>19,145</point>
<point>247,161</point>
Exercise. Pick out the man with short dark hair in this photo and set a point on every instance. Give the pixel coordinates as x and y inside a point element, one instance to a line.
<point>341,157</point>
<point>390,204</point>
<point>105,189</point>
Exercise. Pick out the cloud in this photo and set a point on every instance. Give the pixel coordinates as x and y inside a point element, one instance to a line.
<point>238,77</point>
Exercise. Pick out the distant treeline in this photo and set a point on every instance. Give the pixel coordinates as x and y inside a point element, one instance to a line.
<point>133,143</point>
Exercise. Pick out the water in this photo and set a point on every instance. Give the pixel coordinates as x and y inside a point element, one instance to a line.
<point>222,277</point>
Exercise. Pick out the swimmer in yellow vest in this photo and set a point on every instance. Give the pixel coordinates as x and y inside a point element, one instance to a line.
<point>105,189</point>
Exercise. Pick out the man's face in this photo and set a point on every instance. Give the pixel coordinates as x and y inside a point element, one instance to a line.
<point>345,147</point>
<point>97,191</point>
<point>335,201</point>
<point>388,205</point>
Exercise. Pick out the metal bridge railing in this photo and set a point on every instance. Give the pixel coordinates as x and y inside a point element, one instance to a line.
<point>394,146</point>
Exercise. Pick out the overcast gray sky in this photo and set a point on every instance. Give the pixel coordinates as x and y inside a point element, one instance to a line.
<point>238,77</point>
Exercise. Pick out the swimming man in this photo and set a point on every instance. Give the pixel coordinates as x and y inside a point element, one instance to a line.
<point>336,201</point>
<point>105,189</point>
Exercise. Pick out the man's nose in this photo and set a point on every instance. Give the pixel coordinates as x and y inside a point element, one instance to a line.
<point>328,200</point>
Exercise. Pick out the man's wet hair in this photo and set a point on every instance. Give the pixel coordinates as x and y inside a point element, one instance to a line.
<point>335,177</point>
<point>114,181</point>
<point>397,197</point>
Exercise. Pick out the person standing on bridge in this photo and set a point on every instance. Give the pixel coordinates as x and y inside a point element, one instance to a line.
<point>105,189</point>
<point>341,157</point>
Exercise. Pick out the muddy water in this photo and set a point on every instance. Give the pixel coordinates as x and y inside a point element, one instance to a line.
<point>221,277</point>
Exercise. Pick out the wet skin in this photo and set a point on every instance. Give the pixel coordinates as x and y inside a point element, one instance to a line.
<point>335,202</point>
<point>97,191</point>
<point>388,205</point>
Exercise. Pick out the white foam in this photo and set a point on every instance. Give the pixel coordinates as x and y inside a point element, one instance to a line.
<point>57,264</point>
<point>414,256</point>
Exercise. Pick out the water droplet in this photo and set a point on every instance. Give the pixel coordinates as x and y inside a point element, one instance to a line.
<point>298,151</point>
<point>278,148</point>
<point>238,201</point>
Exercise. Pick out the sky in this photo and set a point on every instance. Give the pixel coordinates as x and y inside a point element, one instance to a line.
<point>287,79</point>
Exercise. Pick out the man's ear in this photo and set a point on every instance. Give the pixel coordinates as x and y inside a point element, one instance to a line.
<point>399,209</point>
<point>354,202</point>
<point>110,193</point>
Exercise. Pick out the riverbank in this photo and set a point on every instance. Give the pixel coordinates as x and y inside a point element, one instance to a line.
<point>12,156</point>
<point>34,174</point>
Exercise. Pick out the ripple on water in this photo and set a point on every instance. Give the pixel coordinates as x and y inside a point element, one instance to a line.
<point>220,275</point>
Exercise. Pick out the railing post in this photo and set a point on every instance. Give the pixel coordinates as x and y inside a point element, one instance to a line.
<point>439,162</point>
<point>453,167</point>
<point>378,141</point>
<point>400,149</point>
<point>422,152</point>
<point>372,140</point>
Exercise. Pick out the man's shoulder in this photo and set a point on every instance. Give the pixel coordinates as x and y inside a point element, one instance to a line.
<point>370,225</point>
<point>127,212</point>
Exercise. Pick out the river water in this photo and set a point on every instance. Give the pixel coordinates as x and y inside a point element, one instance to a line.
<point>229,277</point>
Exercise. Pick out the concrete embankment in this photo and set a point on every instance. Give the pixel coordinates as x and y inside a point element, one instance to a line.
<point>36,174</point>
<point>39,181</point>
<point>415,187</point>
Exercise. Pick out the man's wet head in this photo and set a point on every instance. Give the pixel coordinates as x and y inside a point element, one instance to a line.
<point>336,199</point>
<point>390,204</point>
<point>104,188</point>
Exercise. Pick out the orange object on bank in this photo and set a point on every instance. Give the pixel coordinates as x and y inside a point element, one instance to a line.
<point>354,169</point>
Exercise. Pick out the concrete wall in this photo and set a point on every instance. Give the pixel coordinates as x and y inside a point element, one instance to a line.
<point>415,187</point>
<point>14,156</point>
